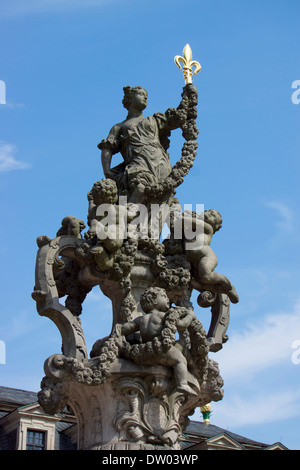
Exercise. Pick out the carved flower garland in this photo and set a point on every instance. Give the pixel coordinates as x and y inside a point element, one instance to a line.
<point>187,114</point>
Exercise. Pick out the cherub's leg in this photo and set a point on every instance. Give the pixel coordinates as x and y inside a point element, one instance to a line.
<point>216,278</point>
<point>113,244</point>
<point>103,259</point>
<point>219,282</point>
<point>177,360</point>
<point>138,194</point>
<point>233,295</point>
<point>206,266</point>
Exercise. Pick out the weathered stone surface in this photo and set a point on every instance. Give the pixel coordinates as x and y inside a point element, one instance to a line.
<point>138,407</point>
<point>141,381</point>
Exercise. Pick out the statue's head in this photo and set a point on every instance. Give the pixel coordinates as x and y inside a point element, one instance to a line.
<point>154,297</point>
<point>71,226</point>
<point>105,191</point>
<point>213,218</point>
<point>135,95</point>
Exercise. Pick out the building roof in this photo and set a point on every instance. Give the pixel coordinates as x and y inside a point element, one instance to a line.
<point>12,399</point>
<point>13,396</point>
<point>206,431</point>
<point>196,432</point>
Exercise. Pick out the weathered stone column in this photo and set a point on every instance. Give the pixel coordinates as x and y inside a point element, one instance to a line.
<point>136,408</point>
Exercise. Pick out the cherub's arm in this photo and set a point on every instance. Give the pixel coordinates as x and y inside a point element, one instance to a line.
<point>130,327</point>
<point>92,205</point>
<point>208,229</point>
<point>194,222</point>
<point>185,322</point>
<point>199,223</point>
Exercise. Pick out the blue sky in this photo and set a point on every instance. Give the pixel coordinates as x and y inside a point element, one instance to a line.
<point>64,64</point>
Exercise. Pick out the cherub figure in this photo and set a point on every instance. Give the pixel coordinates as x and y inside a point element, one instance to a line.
<point>200,254</point>
<point>107,223</point>
<point>71,226</point>
<point>155,303</point>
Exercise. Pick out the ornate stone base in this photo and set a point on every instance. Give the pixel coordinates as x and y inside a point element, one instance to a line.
<point>135,408</point>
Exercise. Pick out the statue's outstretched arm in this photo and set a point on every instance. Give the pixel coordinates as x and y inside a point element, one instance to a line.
<point>108,148</point>
<point>176,117</point>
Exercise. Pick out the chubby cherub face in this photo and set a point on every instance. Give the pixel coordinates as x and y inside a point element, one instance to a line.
<point>155,298</point>
<point>213,218</point>
<point>162,301</point>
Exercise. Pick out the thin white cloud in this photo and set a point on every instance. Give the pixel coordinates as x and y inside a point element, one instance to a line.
<point>241,410</point>
<point>254,365</point>
<point>94,296</point>
<point>7,160</point>
<point>285,220</point>
<point>260,345</point>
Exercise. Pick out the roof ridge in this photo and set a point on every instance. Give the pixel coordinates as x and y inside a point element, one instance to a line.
<point>17,389</point>
<point>232,434</point>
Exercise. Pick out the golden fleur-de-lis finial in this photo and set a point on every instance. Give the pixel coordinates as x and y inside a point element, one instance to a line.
<point>187,64</point>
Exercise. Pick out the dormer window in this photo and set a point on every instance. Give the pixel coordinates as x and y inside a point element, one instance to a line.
<point>35,440</point>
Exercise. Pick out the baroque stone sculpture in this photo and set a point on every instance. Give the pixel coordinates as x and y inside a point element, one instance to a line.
<point>140,383</point>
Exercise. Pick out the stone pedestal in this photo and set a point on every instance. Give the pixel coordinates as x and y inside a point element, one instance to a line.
<point>136,408</point>
<point>121,403</point>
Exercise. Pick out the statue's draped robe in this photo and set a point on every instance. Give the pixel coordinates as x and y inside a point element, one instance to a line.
<point>145,159</point>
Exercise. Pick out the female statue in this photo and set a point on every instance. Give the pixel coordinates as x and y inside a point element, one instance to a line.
<point>142,142</point>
